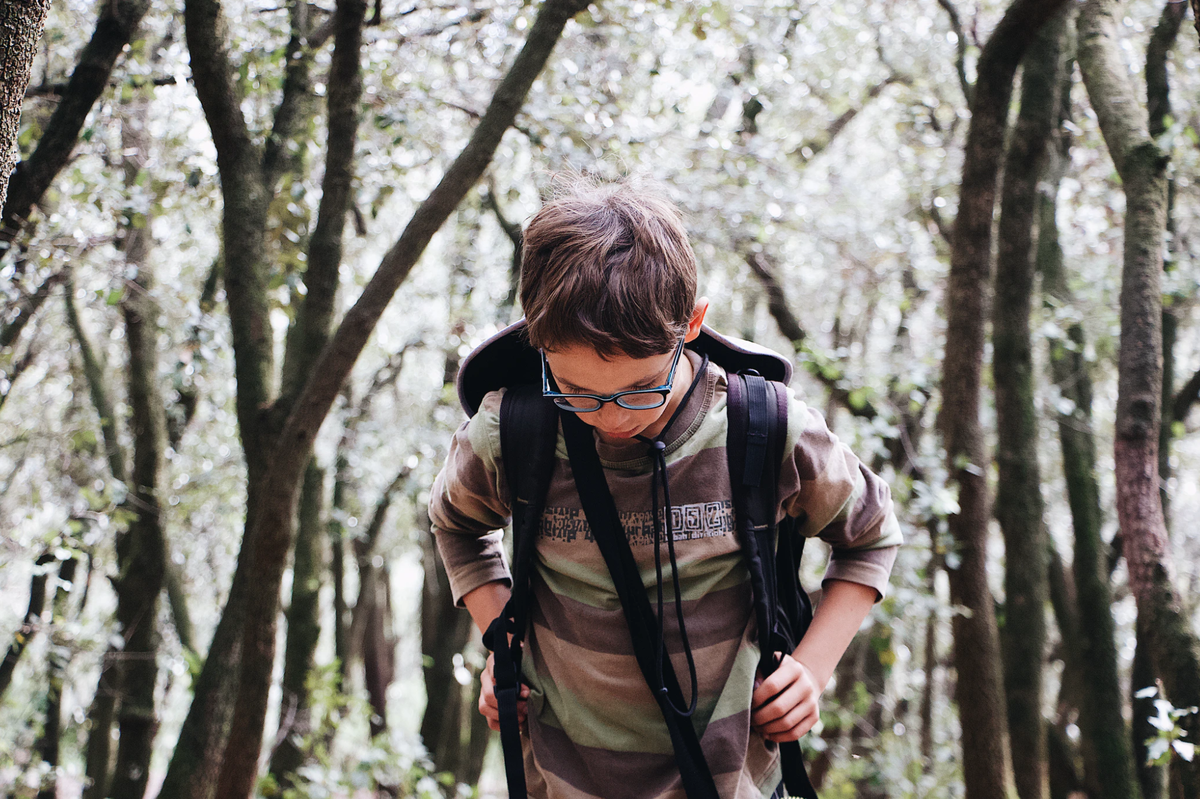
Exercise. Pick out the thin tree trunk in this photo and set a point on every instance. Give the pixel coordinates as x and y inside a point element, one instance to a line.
<point>1142,167</point>
<point>32,622</point>
<point>337,545</point>
<point>141,550</point>
<point>303,630</point>
<point>445,631</point>
<point>1019,506</point>
<point>1158,101</point>
<point>21,26</point>
<point>979,690</point>
<point>116,24</point>
<point>59,657</point>
<point>100,718</point>
<point>1108,760</point>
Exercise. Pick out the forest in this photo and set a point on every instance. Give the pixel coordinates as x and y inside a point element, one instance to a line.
<point>245,245</point>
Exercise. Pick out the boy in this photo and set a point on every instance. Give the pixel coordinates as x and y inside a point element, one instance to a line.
<point>608,286</point>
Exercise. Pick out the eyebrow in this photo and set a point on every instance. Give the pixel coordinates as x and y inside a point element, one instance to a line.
<point>651,382</point>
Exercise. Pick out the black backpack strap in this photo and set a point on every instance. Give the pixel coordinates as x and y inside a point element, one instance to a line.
<point>757,414</point>
<point>602,517</point>
<point>528,434</point>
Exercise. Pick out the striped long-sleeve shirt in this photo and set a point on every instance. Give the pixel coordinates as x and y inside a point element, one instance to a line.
<point>594,728</point>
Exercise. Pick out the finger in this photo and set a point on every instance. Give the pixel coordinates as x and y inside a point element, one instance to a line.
<point>803,715</point>
<point>781,704</point>
<point>795,733</point>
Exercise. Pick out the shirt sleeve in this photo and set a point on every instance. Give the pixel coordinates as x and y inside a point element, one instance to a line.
<point>840,501</point>
<point>468,506</point>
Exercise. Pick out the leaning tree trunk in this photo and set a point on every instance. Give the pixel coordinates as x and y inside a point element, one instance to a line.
<point>979,692</point>
<point>21,26</point>
<point>1019,505</point>
<point>1142,167</point>
<point>115,26</point>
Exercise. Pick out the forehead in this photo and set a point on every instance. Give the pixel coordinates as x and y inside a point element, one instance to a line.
<point>580,368</point>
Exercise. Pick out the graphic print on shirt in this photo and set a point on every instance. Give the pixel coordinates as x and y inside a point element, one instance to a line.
<point>688,522</point>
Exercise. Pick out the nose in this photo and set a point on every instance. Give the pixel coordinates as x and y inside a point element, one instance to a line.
<point>612,417</point>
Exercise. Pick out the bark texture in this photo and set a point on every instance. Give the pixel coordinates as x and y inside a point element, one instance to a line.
<point>21,25</point>
<point>979,690</point>
<point>1142,167</point>
<point>141,550</point>
<point>1093,657</point>
<point>117,22</point>
<point>1019,505</point>
<point>303,630</point>
<point>1158,106</point>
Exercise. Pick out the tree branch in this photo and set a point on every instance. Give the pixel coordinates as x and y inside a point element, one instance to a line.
<point>26,307</point>
<point>296,87</point>
<point>114,29</point>
<point>1188,396</point>
<point>95,374</point>
<point>58,89</point>
<point>812,147</point>
<point>816,363</point>
<point>315,315</point>
<point>960,60</point>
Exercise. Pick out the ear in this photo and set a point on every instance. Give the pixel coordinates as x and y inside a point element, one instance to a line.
<point>697,319</point>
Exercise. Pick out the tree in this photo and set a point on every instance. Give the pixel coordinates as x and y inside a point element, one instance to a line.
<point>278,446</point>
<point>20,28</point>
<point>1019,505</point>
<point>979,690</point>
<point>1142,167</point>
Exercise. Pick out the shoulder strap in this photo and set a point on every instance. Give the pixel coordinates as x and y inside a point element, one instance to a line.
<point>528,434</point>
<point>602,517</point>
<point>757,415</point>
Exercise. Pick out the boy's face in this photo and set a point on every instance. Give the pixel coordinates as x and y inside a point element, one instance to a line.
<point>578,369</point>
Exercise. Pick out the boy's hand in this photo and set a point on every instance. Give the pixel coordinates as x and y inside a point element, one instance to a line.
<point>488,705</point>
<point>785,705</point>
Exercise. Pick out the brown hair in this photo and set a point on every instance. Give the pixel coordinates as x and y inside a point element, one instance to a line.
<point>610,267</point>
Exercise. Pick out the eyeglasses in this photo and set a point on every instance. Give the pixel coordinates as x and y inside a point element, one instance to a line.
<point>641,399</point>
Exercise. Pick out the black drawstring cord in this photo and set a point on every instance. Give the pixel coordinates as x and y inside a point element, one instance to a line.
<point>658,449</point>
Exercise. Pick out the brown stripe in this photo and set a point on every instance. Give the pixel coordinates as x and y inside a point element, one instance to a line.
<point>636,775</point>
<point>716,618</point>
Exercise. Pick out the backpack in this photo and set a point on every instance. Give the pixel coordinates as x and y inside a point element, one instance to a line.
<point>757,408</point>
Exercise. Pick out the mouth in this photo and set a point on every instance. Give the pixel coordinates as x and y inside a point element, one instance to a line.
<point>620,433</point>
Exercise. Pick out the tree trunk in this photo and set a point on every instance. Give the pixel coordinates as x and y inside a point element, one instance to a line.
<point>31,624</point>
<point>303,630</point>
<point>141,550</point>
<point>21,26</point>
<point>56,667</point>
<point>979,690</point>
<point>1151,778</point>
<point>1142,167</point>
<point>337,546</point>
<point>445,630</point>
<point>1019,506</point>
<point>115,26</point>
<point>1158,101</point>
<point>100,718</point>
